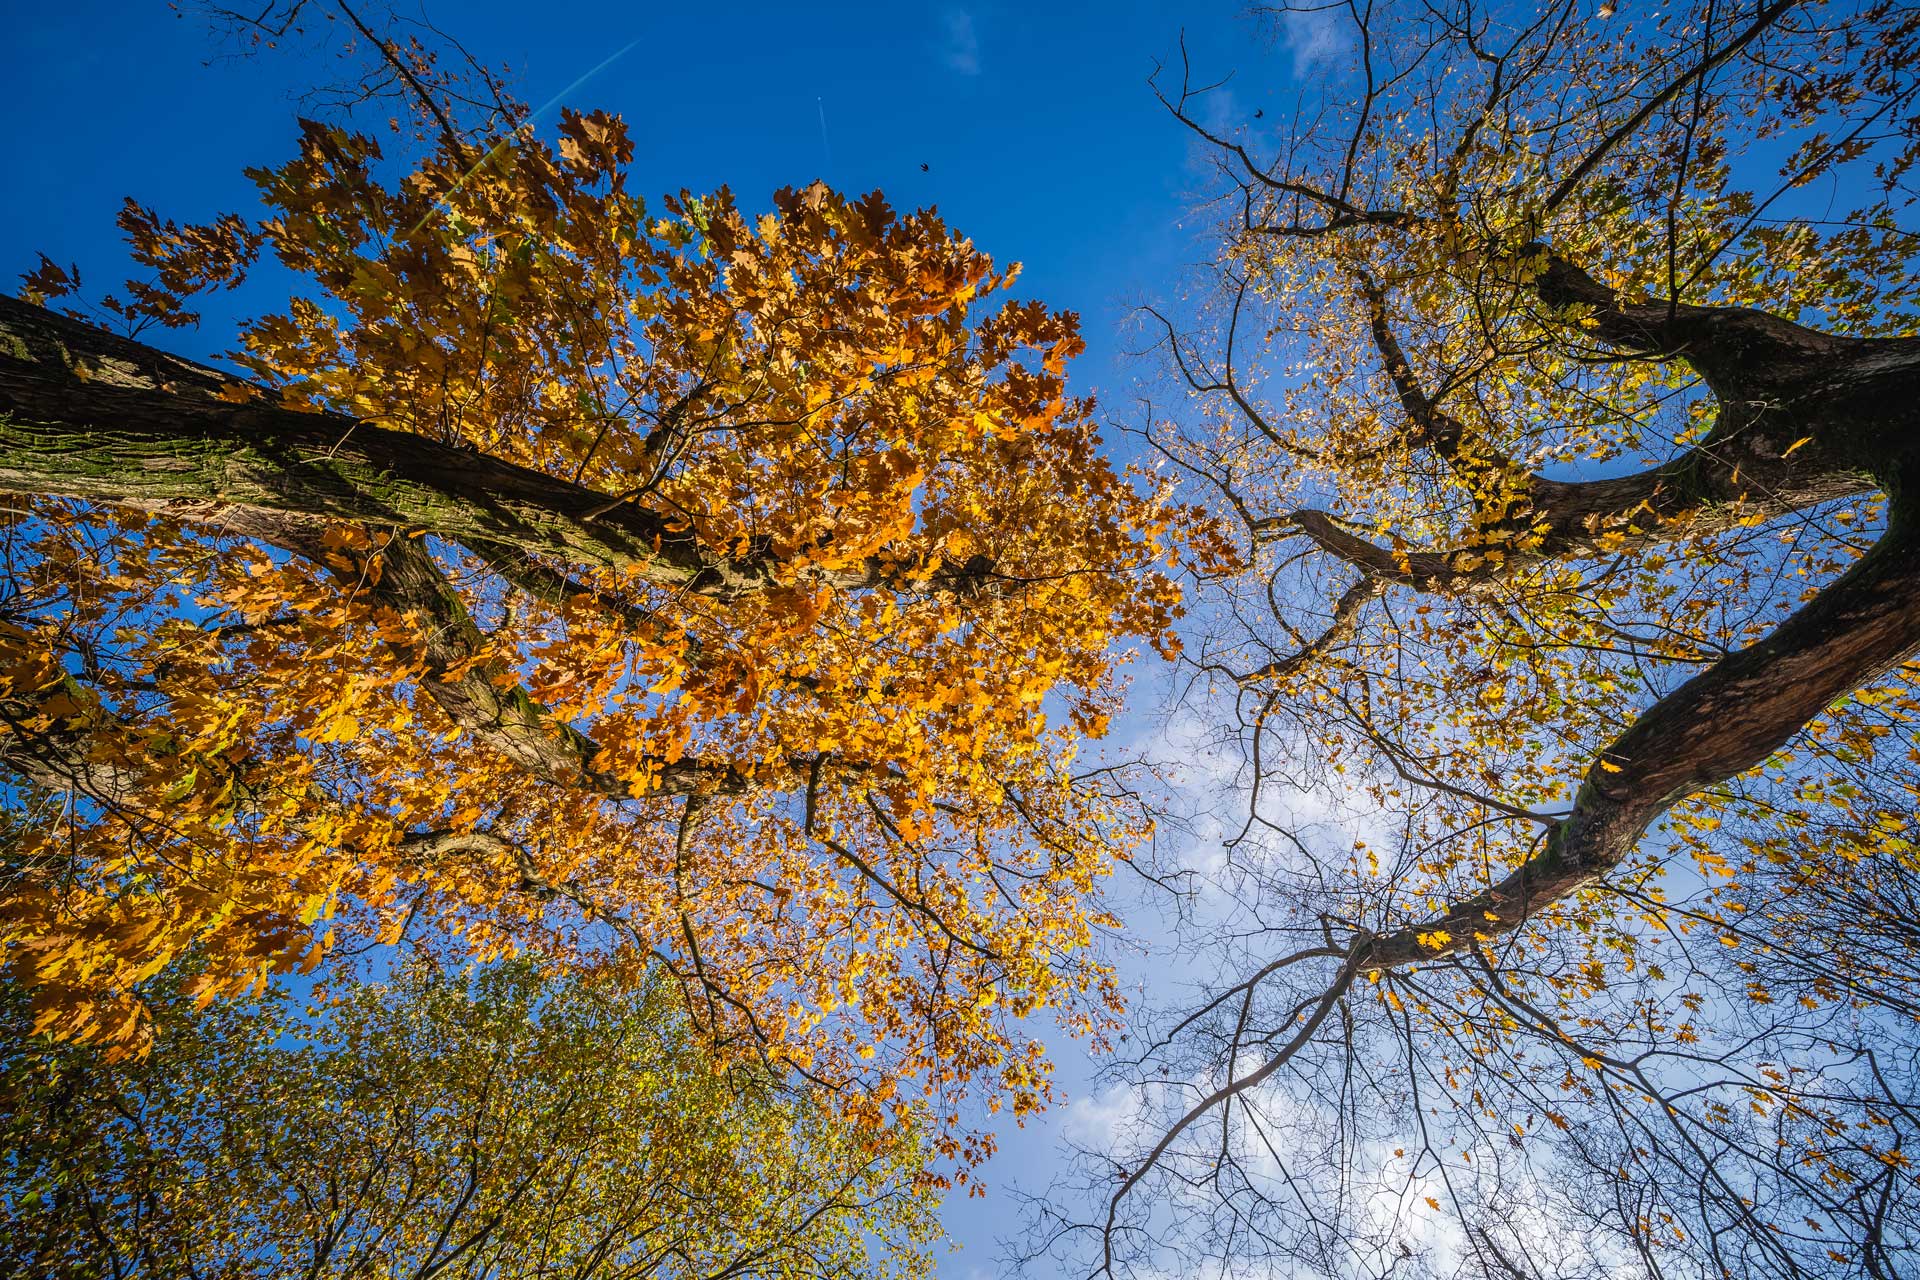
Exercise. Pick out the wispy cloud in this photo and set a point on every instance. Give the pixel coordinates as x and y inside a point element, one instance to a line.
<point>1315,38</point>
<point>961,48</point>
<point>1222,111</point>
<point>1101,1121</point>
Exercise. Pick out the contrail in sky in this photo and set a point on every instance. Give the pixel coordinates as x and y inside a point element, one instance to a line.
<point>825,145</point>
<point>605,62</point>
<point>545,107</point>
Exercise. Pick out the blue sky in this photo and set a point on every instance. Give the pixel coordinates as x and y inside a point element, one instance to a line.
<point>1039,135</point>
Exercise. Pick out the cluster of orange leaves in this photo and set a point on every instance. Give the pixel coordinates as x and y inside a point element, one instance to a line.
<point>893,860</point>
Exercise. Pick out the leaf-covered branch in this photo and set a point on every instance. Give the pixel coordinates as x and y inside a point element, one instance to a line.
<point>86,415</point>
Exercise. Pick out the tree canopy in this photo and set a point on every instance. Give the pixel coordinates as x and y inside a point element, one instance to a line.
<point>633,585</point>
<point>1557,368</point>
<point>505,1124</point>
<point>678,624</point>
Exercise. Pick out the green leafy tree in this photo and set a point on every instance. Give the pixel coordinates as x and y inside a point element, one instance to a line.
<point>503,1125</point>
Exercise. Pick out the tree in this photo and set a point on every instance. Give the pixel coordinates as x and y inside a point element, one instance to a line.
<point>503,1124</point>
<point>634,586</point>
<point>1560,374</point>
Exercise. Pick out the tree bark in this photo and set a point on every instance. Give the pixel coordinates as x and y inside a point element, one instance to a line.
<point>1724,721</point>
<point>86,414</point>
<point>1804,418</point>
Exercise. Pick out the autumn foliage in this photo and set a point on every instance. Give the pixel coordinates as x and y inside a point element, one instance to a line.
<point>627,585</point>
<point>1557,369</point>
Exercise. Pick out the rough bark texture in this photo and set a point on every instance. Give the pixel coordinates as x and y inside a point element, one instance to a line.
<point>1804,417</point>
<point>85,414</point>
<point>48,736</point>
<point>487,701</point>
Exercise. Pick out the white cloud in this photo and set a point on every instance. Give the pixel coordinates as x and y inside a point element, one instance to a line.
<point>1315,37</point>
<point>961,50</point>
<point>1223,111</point>
<point>1099,1122</point>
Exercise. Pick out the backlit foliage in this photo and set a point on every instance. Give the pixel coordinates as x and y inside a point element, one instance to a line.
<point>1557,367</point>
<point>790,706</point>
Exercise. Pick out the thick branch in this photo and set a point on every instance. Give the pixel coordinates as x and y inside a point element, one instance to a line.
<point>85,414</point>
<point>1724,721</point>
<point>475,688</point>
<point>1346,617</point>
<point>47,736</point>
<point>1432,426</point>
<point>555,588</point>
<point>441,844</point>
<point>1729,479</point>
<point>1738,350</point>
<point>1805,418</point>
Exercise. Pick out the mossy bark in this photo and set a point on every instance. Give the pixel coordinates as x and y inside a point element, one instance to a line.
<point>84,414</point>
